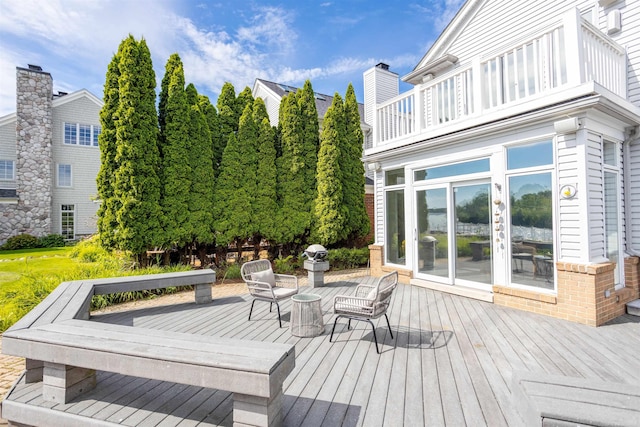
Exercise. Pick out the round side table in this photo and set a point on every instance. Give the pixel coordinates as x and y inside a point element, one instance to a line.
<point>306,315</point>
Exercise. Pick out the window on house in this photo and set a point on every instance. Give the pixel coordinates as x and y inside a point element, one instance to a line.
<point>67,217</point>
<point>96,132</point>
<point>84,135</point>
<point>465,168</point>
<point>70,133</point>
<point>81,134</point>
<point>7,170</point>
<point>394,177</point>
<point>64,175</point>
<point>395,230</point>
<point>530,155</point>
<point>611,195</point>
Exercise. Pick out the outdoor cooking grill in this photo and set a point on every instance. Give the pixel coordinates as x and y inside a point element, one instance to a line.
<point>316,253</point>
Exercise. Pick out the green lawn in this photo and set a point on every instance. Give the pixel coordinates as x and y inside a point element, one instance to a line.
<point>28,276</point>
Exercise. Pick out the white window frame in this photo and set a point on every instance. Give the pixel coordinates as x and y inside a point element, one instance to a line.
<point>619,277</point>
<point>58,184</point>
<point>92,141</point>
<point>66,212</point>
<point>13,170</point>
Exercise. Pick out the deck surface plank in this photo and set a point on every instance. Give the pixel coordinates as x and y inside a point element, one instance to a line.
<point>451,362</point>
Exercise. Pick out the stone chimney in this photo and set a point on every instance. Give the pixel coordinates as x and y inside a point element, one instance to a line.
<point>380,85</point>
<point>34,133</point>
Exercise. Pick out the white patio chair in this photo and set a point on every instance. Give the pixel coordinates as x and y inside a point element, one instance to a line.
<point>368,302</point>
<point>264,285</point>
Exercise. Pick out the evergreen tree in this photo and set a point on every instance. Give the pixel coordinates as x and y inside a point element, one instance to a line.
<point>294,214</point>
<point>202,174</point>
<point>310,131</point>
<point>137,186</point>
<point>192,94</point>
<point>213,123</point>
<point>330,210</point>
<point>228,115</point>
<point>244,98</point>
<point>107,223</point>
<point>175,149</point>
<point>232,205</point>
<point>265,204</point>
<point>357,222</point>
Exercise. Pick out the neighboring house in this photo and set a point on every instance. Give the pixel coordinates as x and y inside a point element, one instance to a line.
<point>49,159</point>
<point>511,171</point>
<point>272,93</point>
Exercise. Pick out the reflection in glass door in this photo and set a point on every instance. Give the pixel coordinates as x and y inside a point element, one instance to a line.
<point>472,213</point>
<point>455,244</point>
<point>432,220</point>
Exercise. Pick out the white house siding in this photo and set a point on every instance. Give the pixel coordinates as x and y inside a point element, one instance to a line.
<point>595,199</point>
<point>501,22</point>
<point>379,207</point>
<point>629,38</point>
<point>633,198</point>
<point>85,164</point>
<point>571,211</point>
<point>8,140</point>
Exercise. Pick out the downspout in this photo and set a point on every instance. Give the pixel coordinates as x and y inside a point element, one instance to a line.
<point>631,139</point>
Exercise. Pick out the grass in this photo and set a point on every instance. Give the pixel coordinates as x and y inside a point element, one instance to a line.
<point>27,276</point>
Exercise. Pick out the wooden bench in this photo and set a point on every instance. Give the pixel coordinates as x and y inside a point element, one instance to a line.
<point>550,400</point>
<point>64,350</point>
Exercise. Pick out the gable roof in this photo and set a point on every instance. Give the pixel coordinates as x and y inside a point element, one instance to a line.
<point>323,102</point>
<point>59,100</point>
<point>437,56</point>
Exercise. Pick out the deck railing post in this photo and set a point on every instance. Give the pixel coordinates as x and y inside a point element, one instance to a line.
<point>574,48</point>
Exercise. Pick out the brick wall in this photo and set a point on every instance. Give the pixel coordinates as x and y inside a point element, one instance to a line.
<point>377,267</point>
<point>586,293</point>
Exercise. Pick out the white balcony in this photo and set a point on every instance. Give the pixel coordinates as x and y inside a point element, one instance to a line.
<point>517,77</point>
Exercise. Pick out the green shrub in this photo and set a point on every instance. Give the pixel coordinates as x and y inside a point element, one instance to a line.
<point>232,272</point>
<point>345,258</point>
<point>21,241</point>
<point>286,265</point>
<point>51,241</point>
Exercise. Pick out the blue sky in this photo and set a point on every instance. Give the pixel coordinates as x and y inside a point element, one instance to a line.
<point>329,42</point>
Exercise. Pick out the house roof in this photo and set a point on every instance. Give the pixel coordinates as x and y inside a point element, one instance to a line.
<point>58,100</point>
<point>438,53</point>
<point>323,102</point>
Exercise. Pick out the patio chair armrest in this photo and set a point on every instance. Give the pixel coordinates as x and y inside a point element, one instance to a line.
<point>257,286</point>
<point>287,280</point>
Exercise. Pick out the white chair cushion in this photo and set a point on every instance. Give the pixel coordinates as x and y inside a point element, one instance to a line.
<point>266,276</point>
<point>371,296</point>
<point>281,293</point>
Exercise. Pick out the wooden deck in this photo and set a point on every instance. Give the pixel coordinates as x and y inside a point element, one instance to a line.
<point>451,363</point>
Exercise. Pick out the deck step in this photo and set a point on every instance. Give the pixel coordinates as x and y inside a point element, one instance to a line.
<point>455,289</point>
<point>633,307</point>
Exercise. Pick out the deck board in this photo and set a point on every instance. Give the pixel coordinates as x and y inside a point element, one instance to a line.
<point>451,362</point>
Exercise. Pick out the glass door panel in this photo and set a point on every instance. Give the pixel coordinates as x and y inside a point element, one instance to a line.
<point>472,213</point>
<point>532,260</point>
<point>433,235</point>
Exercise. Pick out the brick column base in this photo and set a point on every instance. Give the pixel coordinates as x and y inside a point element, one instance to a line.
<point>377,267</point>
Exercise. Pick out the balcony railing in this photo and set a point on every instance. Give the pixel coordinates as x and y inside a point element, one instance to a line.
<point>566,53</point>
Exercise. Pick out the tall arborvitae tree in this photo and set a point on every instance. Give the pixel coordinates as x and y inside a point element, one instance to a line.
<point>213,124</point>
<point>294,213</point>
<point>244,98</point>
<point>357,224</point>
<point>137,186</point>
<point>330,210</point>
<point>265,204</point>
<point>107,222</point>
<point>175,144</point>
<point>309,129</point>
<point>232,206</point>
<point>228,115</point>
<point>202,176</point>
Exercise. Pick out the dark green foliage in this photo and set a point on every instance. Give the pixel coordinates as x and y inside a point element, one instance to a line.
<point>107,223</point>
<point>232,205</point>
<point>176,148</point>
<point>192,94</point>
<point>51,241</point>
<point>357,221</point>
<point>344,258</point>
<point>330,210</point>
<point>202,177</point>
<point>244,98</point>
<point>21,241</point>
<point>295,215</point>
<point>265,205</point>
<point>137,187</point>
<point>213,122</point>
<point>310,131</point>
<point>228,115</point>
